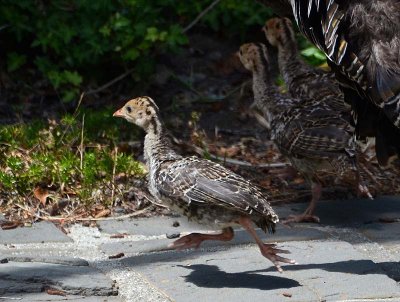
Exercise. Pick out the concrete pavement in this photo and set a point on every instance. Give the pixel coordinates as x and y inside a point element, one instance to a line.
<point>353,255</point>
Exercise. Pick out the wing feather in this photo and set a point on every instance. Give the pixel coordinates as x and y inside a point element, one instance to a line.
<point>206,183</point>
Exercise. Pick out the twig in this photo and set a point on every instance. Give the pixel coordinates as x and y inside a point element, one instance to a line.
<point>239,162</point>
<point>79,103</point>
<point>112,82</point>
<point>116,217</point>
<point>18,148</point>
<point>50,218</point>
<point>113,175</point>
<point>247,164</point>
<point>81,150</point>
<point>201,15</point>
<point>154,202</point>
<point>74,116</point>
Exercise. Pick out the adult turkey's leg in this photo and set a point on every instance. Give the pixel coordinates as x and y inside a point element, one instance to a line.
<point>307,216</point>
<point>194,240</point>
<point>267,250</point>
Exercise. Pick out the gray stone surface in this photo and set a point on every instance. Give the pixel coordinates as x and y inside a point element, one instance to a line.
<point>352,212</point>
<point>39,232</point>
<point>387,234</point>
<point>328,271</point>
<point>150,226</point>
<point>44,297</point>
<point>31,277</point>
<point>283,234</point>
<point>48,259</point>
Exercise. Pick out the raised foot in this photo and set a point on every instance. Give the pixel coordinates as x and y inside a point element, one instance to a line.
<point>301,218</point>
<point>269,251</point>
<point>189,241</point>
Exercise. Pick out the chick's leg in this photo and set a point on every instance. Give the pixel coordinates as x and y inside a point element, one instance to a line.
<point>307,216</point>
<point>195,239</point>
<point>267,250</point>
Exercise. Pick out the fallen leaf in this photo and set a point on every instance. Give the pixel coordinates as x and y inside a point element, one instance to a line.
<point>103,213</point>
<point>120,255</point>
<point>56,292</point>
<point>41,194</point>
<point>289,295</point>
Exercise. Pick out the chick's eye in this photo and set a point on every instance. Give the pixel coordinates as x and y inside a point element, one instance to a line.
<point>129,109</point>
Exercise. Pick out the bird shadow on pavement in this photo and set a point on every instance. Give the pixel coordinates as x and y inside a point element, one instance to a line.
<point>211,276</point>
<point>358,267</point>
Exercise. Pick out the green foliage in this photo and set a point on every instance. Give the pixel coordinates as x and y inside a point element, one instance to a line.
<point>77,153</point>
<point>76,42</point>
<point>311,53</point>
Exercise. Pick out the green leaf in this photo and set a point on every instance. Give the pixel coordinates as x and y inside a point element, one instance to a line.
<point>72,77</point>
<point>69,95</point>
<point>152,34</point>
<point>131,55</point>
<point>15,61</point>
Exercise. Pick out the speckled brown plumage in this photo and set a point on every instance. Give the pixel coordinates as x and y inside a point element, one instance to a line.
<point>200,189</point>
<point>316,139</point>
<point>302,80</point>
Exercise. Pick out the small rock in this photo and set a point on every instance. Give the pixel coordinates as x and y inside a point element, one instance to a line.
<point>4,260</point>
<point>120,255</point>
<point>173,235</point>
<point>118,235</point>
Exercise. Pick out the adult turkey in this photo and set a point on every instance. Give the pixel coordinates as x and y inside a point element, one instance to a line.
<point>361,39</point>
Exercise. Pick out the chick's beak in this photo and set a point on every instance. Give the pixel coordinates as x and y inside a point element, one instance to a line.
<point>118,113</point>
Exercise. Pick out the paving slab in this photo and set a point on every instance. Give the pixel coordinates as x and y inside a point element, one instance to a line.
<point>153,226</point>
<point>32,277</point>
<point>283,234</point>
<point>44,297</point>
<point>328,271</point>
<point>48,259</point>
<point>40,232</point>
<point>387,234</point>
<point>353,212</point>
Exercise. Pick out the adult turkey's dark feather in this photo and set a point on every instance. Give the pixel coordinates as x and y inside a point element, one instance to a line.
<point>361,39</point>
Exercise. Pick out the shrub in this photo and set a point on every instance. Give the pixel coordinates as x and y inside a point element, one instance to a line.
<point>72,43</point>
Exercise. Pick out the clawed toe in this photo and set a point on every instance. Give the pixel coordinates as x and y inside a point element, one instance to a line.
<point>272,247</point>
<point>189,241</point>
<point>301,218</point>
<point>272,254</point>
